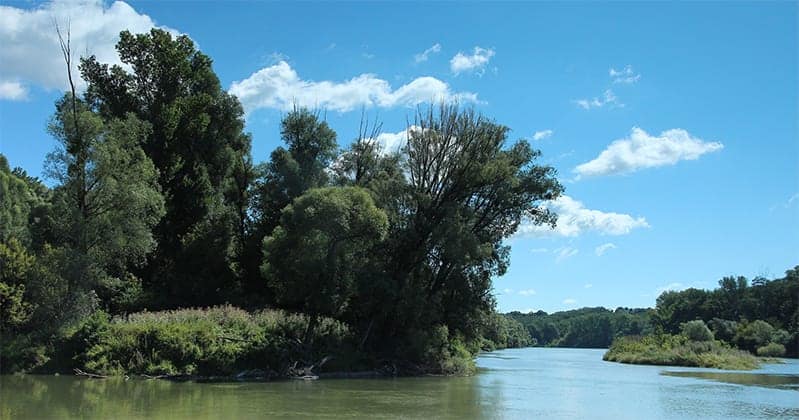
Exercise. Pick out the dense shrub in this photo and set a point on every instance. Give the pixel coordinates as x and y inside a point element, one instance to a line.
<point>677,350</point>
<point>771,350</point>
<point>216,341</point>
<point>696,331</point>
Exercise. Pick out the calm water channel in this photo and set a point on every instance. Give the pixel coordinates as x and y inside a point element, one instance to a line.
<point>512,384</point>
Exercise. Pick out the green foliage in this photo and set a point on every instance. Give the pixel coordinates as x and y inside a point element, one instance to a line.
<point>678,350</point>
<point>15,264</point>
<point>771,350</point>
<point>501,331</point>
<point>754,334</point>
<point>728,310</point>
<point>108,199</point>
<point>335,229</point>
<point>197,144</point>
<point>585,327</point>
<point>696,331</point>
<point>216,341</point>
<point>288,174</point>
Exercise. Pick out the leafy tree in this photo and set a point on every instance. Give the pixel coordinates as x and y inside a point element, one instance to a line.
<point>15,263</point>
<point>201,153</point>
<point>754,334</point>
<point>290,172</point>
<point>466,191</point>
<point>107,200</point>
<point>312,258</point>
<point>696,331</point>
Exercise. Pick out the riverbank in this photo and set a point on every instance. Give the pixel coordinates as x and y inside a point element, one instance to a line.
<point>677,350</point>
<point>230,344</point>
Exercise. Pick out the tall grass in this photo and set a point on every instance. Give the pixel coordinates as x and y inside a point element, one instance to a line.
<point>221,340</point>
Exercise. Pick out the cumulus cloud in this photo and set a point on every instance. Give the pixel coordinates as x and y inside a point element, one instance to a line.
<point>602,249</point>
<point>528,292</point>
<point>507,291</point>
<point>641,150</point>
<point>588,286</point>
<point>575,219</point>
<point>625,75</point>
<point>564,253</point>
<point>570,301</point>
<point>473,62</point>
<point>608,99</point>
<point>31,54</point>
<point>394,142</point>
<point>423,56</point>
<point>280,87</point>
<point>13,91</point>
<point>541,135</point>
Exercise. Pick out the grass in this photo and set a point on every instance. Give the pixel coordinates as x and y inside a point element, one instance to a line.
<point>676,350</point>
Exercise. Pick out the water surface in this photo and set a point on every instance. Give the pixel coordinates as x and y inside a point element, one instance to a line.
<point>511,384</point>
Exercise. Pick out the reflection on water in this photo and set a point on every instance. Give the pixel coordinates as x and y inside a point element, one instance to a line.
<point>743,378</point>
<point>522,383</point>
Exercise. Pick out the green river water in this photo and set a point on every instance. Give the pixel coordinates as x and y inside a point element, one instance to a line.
<point>513,384</point>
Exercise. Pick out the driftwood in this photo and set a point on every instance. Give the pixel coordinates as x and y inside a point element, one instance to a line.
<point>79,372</point>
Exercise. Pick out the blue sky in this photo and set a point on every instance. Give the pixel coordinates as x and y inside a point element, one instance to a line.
<point>673,126</point>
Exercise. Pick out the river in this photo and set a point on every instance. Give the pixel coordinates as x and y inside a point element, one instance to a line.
<point>511,384</point>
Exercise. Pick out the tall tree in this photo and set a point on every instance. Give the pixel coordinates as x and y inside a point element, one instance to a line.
<point>198,145</point>
<point>107,200</point>
<point>290,172</point>
<point>460,192</point>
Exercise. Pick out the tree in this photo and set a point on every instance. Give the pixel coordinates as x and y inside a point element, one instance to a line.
<point>108,198</point>
<point>290,172</point>
<point>466,190</point>
<point>696,331</point>
<point>201,153</point>
<point>312,259</point>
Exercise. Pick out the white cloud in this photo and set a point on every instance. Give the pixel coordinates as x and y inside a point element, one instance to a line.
<point>528,292</point>
<point>625,75</point>
<point>640,150</point>
<point>423,56</point>
<point>539,250</point>
<point>507,291</point>
<point>570,301</point>
<point>674,287</point>
<point>394,142</point>
<point>475,62</point>
<point>588,286</point>
<point>31,54</point>
<point>280,87</point>
<point>794,198</point>
<point>608,98</point>
<point>565,252</point>
<point>13,91</point>
<point>602,249</point>
<point>575,219</point>
<point>541,135</point>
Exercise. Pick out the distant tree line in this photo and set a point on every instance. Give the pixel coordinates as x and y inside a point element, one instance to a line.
<point>156,204</point>
<point>585,327</point>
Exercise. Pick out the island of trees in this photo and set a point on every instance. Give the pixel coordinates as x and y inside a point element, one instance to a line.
<point>162,249</point>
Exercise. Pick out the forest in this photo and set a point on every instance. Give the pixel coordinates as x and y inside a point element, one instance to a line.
<point>348,255</point>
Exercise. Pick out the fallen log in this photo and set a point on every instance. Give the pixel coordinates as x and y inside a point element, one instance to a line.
<point>79,372</point>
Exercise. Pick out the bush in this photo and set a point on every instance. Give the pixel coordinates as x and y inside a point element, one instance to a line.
<point>753,335</point>
<point>215,341</point>
<point>677,350</point>
<point>696,331</point>
<point>771,350</point>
